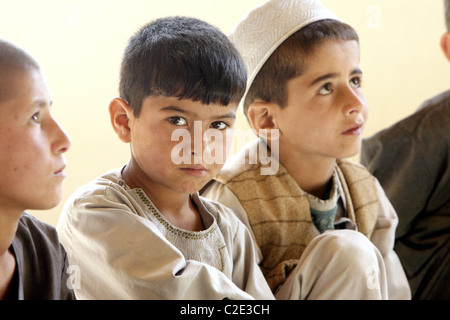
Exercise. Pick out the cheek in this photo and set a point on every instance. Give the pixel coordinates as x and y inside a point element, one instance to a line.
<point>16,155</point>
<point>151,141</point>
<point>27,171</point>
<point>299,125</point>
<point>28,163</point>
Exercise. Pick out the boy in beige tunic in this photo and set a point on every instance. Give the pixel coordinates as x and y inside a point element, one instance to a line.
<point>304,93</point>
<point>142,231</point>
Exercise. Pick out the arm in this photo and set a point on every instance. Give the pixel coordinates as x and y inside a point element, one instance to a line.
<point>246,274</point>
<point>411,161</point>
<point>122,255</point>
<point>383,238</point>
<point>220,193</point>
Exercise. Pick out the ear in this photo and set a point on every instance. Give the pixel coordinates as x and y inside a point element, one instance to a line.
<point>445,44</point>
<point>119,113</point>
<point>262,115</point>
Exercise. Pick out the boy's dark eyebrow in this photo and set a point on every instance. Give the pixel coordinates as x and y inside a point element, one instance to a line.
<point>173,108</point>
<point>321,78</point>
<point>357,71</point>
<point>231,115</point>
<point>177,109</point>
<point>333,75</point>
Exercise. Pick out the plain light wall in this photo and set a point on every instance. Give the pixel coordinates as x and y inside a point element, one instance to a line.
<point>79,44</point>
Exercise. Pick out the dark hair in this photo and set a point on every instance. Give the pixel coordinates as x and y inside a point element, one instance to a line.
<point>181,57</point>
<point>13,59</point>
<point>287,61</point>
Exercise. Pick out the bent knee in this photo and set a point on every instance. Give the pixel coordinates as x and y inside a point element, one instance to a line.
<point>346,239</point>
<point>351,248</point>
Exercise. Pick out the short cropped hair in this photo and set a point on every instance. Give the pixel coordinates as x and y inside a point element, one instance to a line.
<point>447,14</point>
<point>181,57</point>
<point>288,60</point>
<point>13,59</point>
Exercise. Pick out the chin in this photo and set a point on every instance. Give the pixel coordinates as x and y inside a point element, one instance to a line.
<point>191,188</point>
<point>350,152</point>
<point>48,204</point>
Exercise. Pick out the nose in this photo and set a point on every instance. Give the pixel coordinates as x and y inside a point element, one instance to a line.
<point>61,140</point>
<point>353,101</point>
<point>199,140</point>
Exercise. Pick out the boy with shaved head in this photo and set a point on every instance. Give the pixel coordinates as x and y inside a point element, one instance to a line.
<point>33,263</point>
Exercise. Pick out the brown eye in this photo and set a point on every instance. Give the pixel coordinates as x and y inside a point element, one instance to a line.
<point>325,89</point>
<point>356,82</point>
<point>178,121</point>
<point>219,125</point>
<point>35,117</point>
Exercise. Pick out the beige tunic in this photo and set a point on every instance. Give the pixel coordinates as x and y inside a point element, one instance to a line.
<point>125,249</point>
<point>278,213</point>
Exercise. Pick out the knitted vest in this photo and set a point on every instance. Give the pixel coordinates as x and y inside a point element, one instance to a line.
<point>279,212</point>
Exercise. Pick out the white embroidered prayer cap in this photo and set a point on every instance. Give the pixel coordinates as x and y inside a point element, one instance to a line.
<point>268,25</point>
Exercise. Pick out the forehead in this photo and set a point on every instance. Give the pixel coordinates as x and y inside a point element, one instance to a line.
<point>12,83</point>
<point>21,89</point>
<point>8,88</point>
<point>165,104</point>
<point>333,52</point>
<point>330,60</point>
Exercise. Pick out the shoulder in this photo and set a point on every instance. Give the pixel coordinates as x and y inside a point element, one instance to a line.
<point>433,117</point>
<point>226,218</point>
<point>37,245</point>
<point>352,165</point>
<point>101,184</point>
<point>218,210</point>
<point>251,162</point>
<point>106,189</point>
<point>427,118</point>
<point>35,238</point>
<point>41,260</point>
<point>421,137</point>
<point>31,228</point>
<point>85,208</point>
<point>354,173</point>
<point>240,164</point>
<point>437,103</point>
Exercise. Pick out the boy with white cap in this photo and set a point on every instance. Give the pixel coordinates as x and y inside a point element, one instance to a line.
<point>304,88</point>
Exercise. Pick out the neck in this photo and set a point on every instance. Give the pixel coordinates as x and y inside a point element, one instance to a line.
<point>176,207</point>
<point>8,227</point>
<point>312,174</point>
<point>162,198</point>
